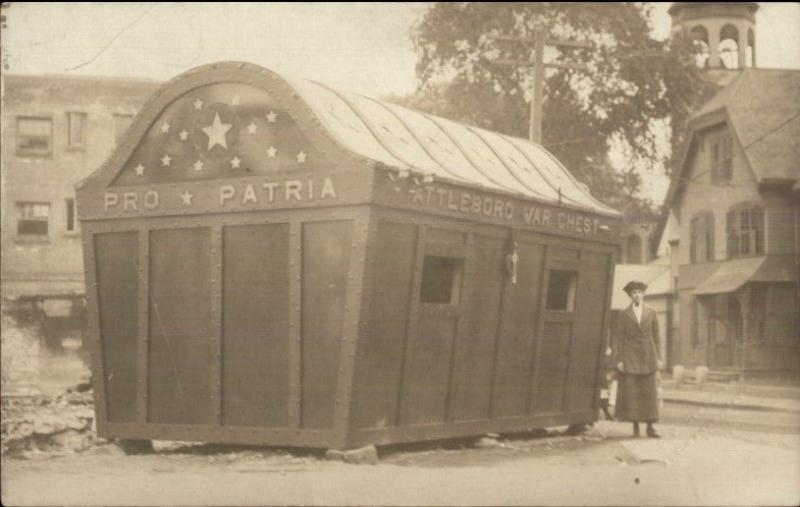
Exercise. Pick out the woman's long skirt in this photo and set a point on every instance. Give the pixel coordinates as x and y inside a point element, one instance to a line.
<point>637,398</point>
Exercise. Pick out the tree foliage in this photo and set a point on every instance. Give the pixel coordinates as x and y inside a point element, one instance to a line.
<point>634,83</point>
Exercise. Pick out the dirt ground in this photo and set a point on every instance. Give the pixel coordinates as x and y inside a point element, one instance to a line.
<point>707,456</point>
<point>689,466</point>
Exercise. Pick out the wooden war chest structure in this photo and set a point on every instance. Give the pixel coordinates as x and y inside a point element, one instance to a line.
<point>276,262</point>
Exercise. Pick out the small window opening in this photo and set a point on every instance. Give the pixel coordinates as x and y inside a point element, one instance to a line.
<point>76,130</point>
<point>729,47</point>
<point>32,218</point>
<point>34,136</point>
<point>561,290</point>
<point>70,218</point>
<point>441,280</point>
<point>699,37</point>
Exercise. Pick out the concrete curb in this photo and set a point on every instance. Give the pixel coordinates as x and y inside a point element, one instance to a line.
<point>762,391</point>
<point>784,429</point>
<point>729,405</point>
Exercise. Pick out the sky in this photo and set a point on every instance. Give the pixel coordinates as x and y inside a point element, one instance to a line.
<point>361,47</point>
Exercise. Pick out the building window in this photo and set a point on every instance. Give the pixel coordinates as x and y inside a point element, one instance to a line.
<point>441,280</point>
<point>699,36</point>
<point>634,247</point>
<point>32,218</point>
<point>561,290</point>
<point>722,159</point>
<point>701,238</point>
<point>34,136</point>
<point>758,311</point>
<point>745,229</point>
<point>76,130</point>
<point>729,47</point>
<point>750,56</point>
<point>695,323</point>
<point>70,216</point>
<point>121,124</point>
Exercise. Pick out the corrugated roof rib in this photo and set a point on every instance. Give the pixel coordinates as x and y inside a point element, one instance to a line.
<point>439,146</point>
<point>410,140</point>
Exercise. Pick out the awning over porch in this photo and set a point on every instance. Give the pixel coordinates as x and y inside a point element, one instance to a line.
<point>733,274</point>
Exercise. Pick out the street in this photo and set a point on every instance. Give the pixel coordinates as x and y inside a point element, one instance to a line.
<point>697,462</point>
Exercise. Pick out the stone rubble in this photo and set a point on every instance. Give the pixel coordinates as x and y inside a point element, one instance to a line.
<point>48,423</point>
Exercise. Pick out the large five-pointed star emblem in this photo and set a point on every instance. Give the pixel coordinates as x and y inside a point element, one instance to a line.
<point>216,132</point>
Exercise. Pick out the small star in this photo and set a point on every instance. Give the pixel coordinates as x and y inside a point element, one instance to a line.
<point>216,132</point>
<point>252,128</point>
<point>139,170</point>
<point>271,116</point>
<point>271,152</point>
<point>198,166</point>
<point>183,135</point>
<point>186,198</point>
<point>164,128</point>
<point>235,100</point>
<point>235,161</point>
<point>165,160</point>
<point>198,104</point>
<point>301,158</point>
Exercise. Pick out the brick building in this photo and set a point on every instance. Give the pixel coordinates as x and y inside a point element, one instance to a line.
<point>56,130</point>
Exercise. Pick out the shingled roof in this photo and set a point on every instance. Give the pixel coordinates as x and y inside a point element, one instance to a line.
<point>762,107</point>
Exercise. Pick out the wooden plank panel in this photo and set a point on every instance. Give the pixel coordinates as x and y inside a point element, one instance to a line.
<point>326,259</point>
<point>428,371</point>
<point>144,329</point>
<point>475,346</point>
<point>518,334</point>
<point>551,367</point>
<point>295,318</point>
<point>379,357</point>
<point>590,305</point>
<point>215,287</point>
<point>116,255</point>
<point>180,327</point>
<point>255,316</point>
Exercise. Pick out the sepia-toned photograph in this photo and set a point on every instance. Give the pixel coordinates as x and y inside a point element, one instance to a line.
<point>423,253</point>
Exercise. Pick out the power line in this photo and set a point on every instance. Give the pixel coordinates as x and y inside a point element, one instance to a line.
<point>114,38</point>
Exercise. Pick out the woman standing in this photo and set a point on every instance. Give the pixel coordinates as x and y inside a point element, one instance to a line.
<point>635,352</point>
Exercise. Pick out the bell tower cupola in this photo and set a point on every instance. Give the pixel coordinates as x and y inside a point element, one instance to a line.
<point>724,30</point>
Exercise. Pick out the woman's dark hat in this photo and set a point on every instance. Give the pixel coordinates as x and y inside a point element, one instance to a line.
<point>635,285</point>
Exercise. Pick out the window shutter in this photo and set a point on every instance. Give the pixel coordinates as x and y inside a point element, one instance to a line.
<point>731,233</point>
<point>709,237</point>
<point>744,236</point>
<point>758,229</point>
<point>727,159</point>
<point>715,162</point>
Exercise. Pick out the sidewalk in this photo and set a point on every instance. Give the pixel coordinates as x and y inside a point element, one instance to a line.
<point>739,396</point>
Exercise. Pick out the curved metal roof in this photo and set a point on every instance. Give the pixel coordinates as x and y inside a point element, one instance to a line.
<point>410,140</point>
<point>166,133</point>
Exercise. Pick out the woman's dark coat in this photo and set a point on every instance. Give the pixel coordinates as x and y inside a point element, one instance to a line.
<point>636,346</point>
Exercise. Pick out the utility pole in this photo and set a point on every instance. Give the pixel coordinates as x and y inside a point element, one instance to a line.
<point>539,41</point>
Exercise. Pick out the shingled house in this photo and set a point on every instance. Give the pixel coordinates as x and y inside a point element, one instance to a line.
<point>734,207</point>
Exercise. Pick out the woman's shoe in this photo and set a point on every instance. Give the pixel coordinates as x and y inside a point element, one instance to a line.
<point>651,432</point>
